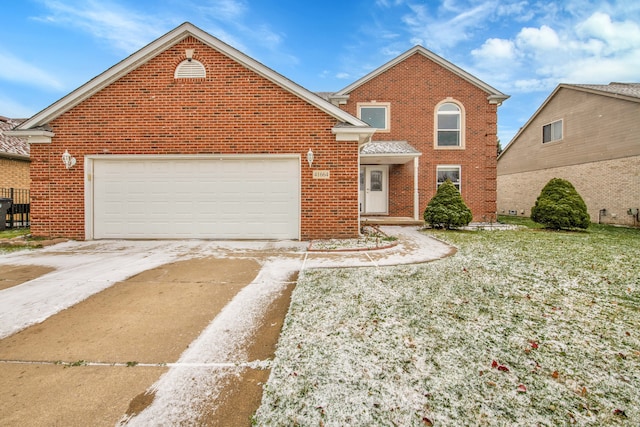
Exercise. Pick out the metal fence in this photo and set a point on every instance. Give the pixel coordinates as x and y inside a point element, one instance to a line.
<point>18,214</point>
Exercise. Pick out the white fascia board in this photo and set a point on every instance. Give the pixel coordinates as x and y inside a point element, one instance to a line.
<point>161,44</point>
<point>362,134</point>
<point>495,95</point>
<point>32,136</point>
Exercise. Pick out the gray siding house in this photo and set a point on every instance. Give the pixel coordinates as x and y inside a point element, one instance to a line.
<point>586,134</point>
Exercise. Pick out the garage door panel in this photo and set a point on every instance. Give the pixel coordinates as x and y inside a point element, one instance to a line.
<point>196,198</point>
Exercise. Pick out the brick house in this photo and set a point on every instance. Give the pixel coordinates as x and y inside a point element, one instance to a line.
<point>14,157</point>
<point>434,121</point>
<point>191,138</point>
<point>586,134</point>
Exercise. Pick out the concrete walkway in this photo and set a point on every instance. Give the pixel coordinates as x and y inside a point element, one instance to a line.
<point>85,268</point>
<point>82,270</point>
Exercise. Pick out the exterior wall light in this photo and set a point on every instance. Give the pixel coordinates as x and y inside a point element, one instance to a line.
<point>310,157</point>
<point>68,160</point>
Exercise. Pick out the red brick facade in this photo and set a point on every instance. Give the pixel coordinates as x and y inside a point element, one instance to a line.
<point>233,110</point>
<point>414,87</point>
<point>241,107</point>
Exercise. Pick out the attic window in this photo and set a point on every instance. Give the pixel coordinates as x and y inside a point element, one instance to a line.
<point>552,132</point>
<point>190,69</point>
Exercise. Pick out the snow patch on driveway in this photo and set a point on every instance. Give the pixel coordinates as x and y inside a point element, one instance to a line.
<point>189,383</point>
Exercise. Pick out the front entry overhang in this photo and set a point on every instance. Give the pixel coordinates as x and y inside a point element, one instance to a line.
<point>387,153</point>
<point>394,153</point>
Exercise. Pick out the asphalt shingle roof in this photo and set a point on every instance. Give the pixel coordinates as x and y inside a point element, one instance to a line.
<point>627,89</point>
<point>10,144</point>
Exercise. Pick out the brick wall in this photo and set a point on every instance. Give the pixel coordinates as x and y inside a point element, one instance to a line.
<point>613,185</point>
<point>414,87</point>
<point>232,110</point>
<point>15,173</point>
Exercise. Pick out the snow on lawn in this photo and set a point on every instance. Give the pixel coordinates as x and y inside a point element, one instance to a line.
<point>518,328</point>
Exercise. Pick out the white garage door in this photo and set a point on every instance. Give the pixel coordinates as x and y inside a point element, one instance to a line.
<point>215,198</point>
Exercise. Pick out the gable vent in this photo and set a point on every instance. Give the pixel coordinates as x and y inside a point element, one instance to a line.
<point>190,69</point>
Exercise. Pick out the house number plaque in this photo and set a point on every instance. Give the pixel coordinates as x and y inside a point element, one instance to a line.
<point>321,174</point>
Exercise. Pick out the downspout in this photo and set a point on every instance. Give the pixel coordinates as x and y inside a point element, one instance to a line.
<point>416,193</point>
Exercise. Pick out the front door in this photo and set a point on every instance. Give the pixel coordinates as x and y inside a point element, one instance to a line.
<point>374,180</point>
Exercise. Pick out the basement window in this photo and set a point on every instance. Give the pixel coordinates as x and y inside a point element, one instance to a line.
<point>190,69</point>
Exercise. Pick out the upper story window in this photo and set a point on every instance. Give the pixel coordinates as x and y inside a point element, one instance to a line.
<point>552,132</point>
<point>375,114</point>
<point>449,126</point>
<point>190,69</point>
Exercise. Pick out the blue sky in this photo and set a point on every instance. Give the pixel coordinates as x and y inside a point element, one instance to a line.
<point>524,48</point>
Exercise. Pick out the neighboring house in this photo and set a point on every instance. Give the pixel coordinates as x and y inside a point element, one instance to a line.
<point>190,138</point>
<point>434,122</point>
<point>586,134</point>
<point>14,157</point>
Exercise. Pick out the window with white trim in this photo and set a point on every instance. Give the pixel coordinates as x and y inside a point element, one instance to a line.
<point>449,125</point>
<point>552,132</point>
<point>450,172</point>
<point>375,114</point>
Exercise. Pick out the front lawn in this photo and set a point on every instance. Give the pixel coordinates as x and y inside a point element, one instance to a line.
<point>10,234</point>
<point>523,327</point>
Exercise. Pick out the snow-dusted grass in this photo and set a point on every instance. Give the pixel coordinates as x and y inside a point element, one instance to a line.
<point>522,327</point>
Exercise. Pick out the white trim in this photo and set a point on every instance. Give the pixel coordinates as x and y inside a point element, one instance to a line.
<point>459,167</point>
<point>89,182</point>
<point>373,104</point>
<point>160,45</point>
<point>33,136</point>
<point>190,69</point>
<point>495,96</point>
<point>416,192</point>
<point>462,135</point>
<point>550,124</point>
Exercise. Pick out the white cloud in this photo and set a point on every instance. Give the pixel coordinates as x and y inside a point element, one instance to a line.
<point>222,9</point>
<point>543,38</point>
<point>444,30</point>
<point>124,28</point>
<point>496,50</point>
<point>16,70</point>
<point>615,35</point>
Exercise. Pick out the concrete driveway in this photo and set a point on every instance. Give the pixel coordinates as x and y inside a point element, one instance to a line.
<point>154,332</point>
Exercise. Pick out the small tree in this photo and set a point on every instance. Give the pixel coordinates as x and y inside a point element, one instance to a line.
<point>559,206</point>
<point>447,209</point>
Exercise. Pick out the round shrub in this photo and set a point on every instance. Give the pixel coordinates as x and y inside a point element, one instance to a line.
<point>559,206</point>
<point>447,209</point>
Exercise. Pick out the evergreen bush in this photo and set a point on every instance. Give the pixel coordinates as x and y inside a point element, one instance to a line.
<point>447,209</point>
<point>559,206</point>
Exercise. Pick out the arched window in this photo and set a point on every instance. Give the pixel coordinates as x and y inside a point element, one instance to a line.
<point>449,125</point>
<point>190,69</point>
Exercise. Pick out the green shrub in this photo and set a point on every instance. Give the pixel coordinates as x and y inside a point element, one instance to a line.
<point>447,209</point>
<point>559,206</point>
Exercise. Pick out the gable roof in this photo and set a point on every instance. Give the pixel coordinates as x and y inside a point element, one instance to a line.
<point>625,91</point>
<point>40,120</point>
<point>10,146</point>
<point>494,95</point>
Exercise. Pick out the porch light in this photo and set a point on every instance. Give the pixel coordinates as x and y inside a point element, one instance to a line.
<point>310,157</point>
<point>68,160</point>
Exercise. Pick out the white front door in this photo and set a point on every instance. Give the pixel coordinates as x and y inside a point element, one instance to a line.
<point>374,189</point>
